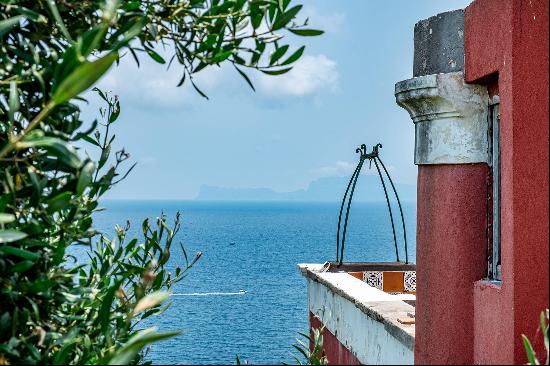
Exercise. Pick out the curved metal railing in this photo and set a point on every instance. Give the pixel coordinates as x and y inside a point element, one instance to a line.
<point>373,156</point>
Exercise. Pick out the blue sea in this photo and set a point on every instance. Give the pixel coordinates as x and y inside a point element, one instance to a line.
<point>252,246</point>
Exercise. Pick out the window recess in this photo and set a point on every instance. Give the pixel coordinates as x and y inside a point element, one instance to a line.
<point>494,248</point>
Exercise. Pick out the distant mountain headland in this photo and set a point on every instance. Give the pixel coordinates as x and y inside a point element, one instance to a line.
<point>331,189</point>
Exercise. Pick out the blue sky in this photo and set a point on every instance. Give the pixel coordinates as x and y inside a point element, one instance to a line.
<point>293,129</point>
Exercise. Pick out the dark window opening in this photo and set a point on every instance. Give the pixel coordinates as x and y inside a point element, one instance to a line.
<point>494,250</point>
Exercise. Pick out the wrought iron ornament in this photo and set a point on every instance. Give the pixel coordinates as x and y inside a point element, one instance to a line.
<point>373,156</point>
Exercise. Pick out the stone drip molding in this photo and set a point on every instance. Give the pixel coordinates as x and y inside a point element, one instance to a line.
<point>450,118</point>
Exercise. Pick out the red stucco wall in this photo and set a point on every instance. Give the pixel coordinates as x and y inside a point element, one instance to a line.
<point>512,48</point>
<point>451,256</point>
<point>337,354</point>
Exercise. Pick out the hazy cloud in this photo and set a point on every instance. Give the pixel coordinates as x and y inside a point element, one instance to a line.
<point>330,23</point>
<point>309,75</point>
<point>343,168</point>
<point>151,84</point>
<point>338,169</point>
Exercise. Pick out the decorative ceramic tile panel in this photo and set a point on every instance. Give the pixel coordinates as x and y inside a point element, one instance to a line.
<point>410,280</point>
<point>374,279</point>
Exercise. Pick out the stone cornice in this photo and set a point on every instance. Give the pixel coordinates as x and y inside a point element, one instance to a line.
<point>450,118</point>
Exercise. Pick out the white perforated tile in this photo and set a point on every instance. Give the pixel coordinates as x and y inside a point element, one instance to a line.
<point>410,280</point>
<point>374,279</point>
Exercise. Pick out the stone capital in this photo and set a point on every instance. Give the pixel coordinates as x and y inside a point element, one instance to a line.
<point>450,118</point>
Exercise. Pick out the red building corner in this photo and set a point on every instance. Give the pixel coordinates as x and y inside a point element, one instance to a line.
<point>478,100</point>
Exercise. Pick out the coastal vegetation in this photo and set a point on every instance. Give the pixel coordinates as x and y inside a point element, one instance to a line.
<point>53,308</point>
<point>531,355</point>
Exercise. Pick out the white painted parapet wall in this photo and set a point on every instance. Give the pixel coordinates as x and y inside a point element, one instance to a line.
<point>450,118</point>
<point>361,317</point>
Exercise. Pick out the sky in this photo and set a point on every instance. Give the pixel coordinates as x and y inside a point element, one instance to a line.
<point>294,129</point>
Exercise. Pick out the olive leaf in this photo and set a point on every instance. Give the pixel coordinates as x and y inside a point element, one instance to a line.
<point>83,77</point>
<point>7,24</point>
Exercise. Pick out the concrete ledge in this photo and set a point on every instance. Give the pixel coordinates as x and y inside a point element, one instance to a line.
<point>363,318</point>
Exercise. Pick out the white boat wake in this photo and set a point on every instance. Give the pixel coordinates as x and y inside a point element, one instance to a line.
<point>240,292</point>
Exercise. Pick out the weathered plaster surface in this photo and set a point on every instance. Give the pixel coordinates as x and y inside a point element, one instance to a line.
<point>450,118</point>
<point>336,352</point>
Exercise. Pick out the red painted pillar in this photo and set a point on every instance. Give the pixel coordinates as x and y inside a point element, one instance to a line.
<point>450,258</point>
<point>451,152</point>
<point>450,119</point>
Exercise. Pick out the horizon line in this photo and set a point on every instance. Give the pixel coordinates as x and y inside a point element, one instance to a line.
<point>241,200</point>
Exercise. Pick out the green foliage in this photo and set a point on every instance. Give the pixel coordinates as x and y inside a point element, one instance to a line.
<point>531,356</point>
<point>52,310</point>
<point>56,311</point>
<point>314,355</point>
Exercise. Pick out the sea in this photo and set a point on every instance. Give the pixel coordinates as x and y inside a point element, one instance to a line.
<point>246,296</point>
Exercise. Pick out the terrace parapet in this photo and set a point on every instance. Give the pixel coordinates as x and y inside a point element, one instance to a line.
<point>364,325</point>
